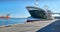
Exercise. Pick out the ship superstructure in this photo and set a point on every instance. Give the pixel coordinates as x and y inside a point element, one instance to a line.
<point>37,12</point>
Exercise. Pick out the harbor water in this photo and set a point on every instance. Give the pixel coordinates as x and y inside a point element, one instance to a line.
<point>12,21</point>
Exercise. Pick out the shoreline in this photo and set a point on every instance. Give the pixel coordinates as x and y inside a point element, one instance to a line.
<point>27,23</point>
<point>27,27</point>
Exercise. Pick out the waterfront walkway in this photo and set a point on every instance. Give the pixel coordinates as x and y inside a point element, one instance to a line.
<point>27,27</point>
<point>53,27</point>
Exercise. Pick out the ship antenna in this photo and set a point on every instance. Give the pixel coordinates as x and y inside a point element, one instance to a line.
<point>46,7</point>
<point>36,3</point>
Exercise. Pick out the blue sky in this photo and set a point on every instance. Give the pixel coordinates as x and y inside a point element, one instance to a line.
<point>16,8</point>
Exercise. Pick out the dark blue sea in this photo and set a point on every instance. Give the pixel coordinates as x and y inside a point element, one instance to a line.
<point>12,21</point>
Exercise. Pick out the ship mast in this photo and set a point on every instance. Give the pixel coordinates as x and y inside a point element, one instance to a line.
<point>36,3</point>
<point>46,7</point>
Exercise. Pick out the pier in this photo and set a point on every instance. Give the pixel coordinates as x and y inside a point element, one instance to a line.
<point>28,27</point>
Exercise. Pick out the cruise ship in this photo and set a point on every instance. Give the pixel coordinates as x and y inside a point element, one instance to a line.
<point>37,12</point>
